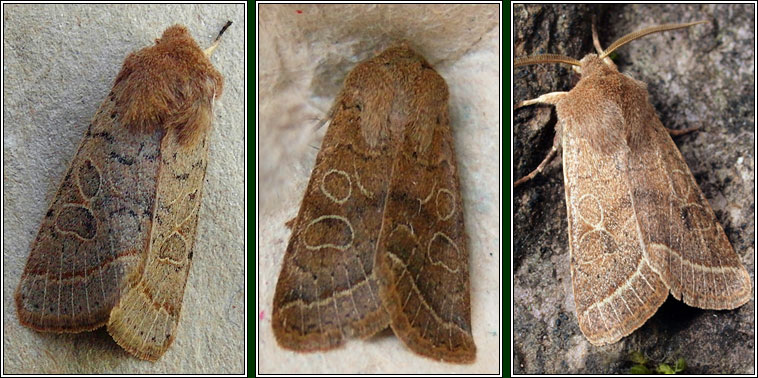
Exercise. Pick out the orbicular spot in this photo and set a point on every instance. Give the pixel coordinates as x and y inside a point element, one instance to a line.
<point>589,209</point>
<point>595,245</point>
<point>444,252</point>
<point>173,249</point>
<point>681,184</point>
<point>88,179</point>
<point>329,231</point>
<point>336,186</point>
<point>695,217</point>
<point>445,204</point>
<point>77,220</point>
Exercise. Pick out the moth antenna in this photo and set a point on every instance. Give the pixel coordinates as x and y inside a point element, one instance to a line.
<point>545,58</point>
<point>595,40</point>
<point>598,48</point>
<point>216,41</point>
<point>641,33</point>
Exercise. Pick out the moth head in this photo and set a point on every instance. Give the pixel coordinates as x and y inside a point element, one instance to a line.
<point>592,64</point>
<point>169,86</point>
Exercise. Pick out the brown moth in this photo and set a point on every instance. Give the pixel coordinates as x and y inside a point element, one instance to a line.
<point>379,238</point>
<point>639,225</point>
<point>115,247</point>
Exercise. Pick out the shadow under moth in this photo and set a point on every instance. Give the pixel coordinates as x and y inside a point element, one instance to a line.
<point>115,246</point>
<point>639,225</point>
<point>379,239</point>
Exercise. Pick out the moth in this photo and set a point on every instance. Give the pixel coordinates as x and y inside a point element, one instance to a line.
<point>639,226</point>
<point>379,239</point>
<point>116,245</point>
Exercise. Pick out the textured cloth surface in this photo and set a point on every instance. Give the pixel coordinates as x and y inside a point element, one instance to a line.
<point>59,64</point>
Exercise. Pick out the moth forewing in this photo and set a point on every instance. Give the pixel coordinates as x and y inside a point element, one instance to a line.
<point>379,238</point>
<point>639,225</point>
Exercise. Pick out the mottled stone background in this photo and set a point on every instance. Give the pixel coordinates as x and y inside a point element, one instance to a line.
<point>702,76</point>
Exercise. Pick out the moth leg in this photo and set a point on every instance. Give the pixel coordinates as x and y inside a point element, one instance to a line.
<point>551,98</point>
<point>675,132</point>
<point>548,158</point>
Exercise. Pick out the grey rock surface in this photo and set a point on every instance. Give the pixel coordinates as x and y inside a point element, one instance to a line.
<point>59,62</point>
<point>701,76</point>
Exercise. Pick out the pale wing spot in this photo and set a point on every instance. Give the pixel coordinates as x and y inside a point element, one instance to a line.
<point>445,204</point>
<point>332,185</point>
<point>443,253</point>
<point>325,218</point>
<point>590,210</point>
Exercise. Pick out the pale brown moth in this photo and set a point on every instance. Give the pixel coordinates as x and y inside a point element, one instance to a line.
<point>639,225</point>
<point>379,239</point>
<point>116,244</point>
